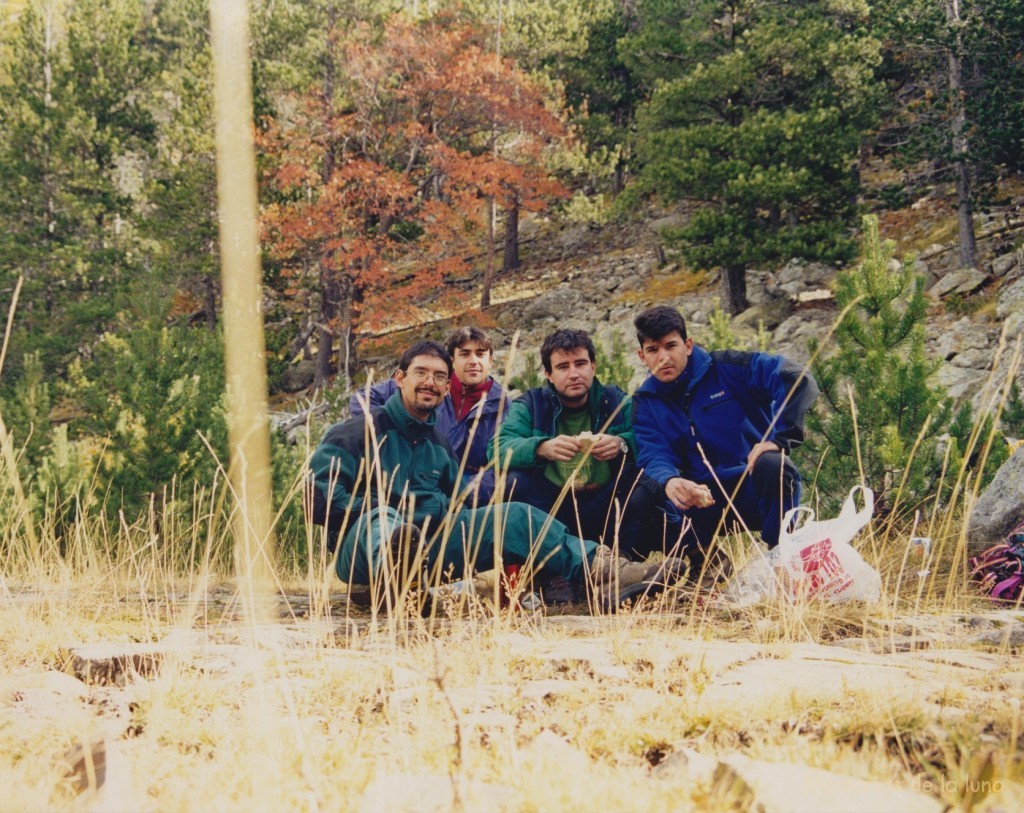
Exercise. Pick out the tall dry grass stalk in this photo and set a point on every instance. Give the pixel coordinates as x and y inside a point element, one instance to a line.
<point>472,706</point>
<point>241,274</point>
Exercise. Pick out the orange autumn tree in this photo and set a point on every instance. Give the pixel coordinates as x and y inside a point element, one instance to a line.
<point>377,179</point>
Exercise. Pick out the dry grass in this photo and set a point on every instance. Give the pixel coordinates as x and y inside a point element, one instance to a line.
<point>492,711</point>
<point>330,708</point>
<point>667,284</point>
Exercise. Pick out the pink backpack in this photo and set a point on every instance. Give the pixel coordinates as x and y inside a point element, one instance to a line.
<point>1000,569</point>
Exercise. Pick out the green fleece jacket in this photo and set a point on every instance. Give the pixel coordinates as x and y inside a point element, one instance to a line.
<point>405,458</point>
<point>533,419</point>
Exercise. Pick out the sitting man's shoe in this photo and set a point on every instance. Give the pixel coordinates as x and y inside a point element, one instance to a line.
<point>617,579</point>
<point>609,572</point>
<point>406,562</point>
<point>709,570</point>
<point>607,569</point>
<point>557,591</point>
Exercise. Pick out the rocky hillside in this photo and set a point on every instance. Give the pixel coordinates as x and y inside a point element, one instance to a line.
<point>598,278</point>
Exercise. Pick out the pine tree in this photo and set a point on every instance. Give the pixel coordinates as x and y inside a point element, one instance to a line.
<point>756,119</point>
<point>1013,413</point>
<point>956,68</point>
<point>74,131</point>
<point>877,413</point>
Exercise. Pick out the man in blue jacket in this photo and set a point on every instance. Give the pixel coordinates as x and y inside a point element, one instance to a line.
<point>388,487</point>
<point>569,450</point>
<point>469,413</point>
<point>717,427</point>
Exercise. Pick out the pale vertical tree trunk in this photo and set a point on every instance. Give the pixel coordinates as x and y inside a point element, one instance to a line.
<point>244,349</point>
<point>9,459</point>
<point>961,148</point>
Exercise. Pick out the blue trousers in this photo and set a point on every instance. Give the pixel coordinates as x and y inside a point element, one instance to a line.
<point>471,541</point>
<point>763,498</point>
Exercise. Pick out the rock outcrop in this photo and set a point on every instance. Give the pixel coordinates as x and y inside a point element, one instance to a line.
<point>1000,507</point>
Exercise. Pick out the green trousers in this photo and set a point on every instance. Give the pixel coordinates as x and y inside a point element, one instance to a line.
<point>471,541</point>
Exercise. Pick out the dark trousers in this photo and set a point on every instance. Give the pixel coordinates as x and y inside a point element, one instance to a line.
<point>629,503</point>
<point>763,498</point>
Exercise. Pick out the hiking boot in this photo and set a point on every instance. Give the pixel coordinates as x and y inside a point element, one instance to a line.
<point>617,579</point>
<point>617,572</point>
<point>708,571</point>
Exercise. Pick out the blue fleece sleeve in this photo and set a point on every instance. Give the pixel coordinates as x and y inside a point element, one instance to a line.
<point>655,453</point>
<point>786,391</point>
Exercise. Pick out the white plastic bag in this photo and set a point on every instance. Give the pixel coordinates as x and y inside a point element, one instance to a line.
<point>820,561</point>
<point>753,583</point>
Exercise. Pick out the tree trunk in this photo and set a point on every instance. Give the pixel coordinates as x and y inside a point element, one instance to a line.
<point>210,301</point>
<point>488,281</point>
<point>511,259</point>
<point>958,126</point>
<point>734,290</point>
<point>619,178</point>
<point>325,329</point>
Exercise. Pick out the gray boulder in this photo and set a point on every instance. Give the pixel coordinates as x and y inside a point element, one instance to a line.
<point>1010,307</point>
<point>961,281</point>
<point>1003,265</point>
<point>298,376</point>
<point>1000,506</point>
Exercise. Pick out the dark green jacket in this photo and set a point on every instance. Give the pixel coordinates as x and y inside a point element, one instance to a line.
<point>411,458</point>
<point>533,419</point>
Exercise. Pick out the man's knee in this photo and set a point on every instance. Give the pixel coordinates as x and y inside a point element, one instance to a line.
<point>528,487</point>
<point>774,473</point>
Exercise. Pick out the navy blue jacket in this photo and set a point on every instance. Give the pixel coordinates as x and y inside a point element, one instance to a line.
<point>726,401</point>
<point>495,406</point>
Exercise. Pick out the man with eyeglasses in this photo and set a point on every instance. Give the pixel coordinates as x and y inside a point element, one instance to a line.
<point>469,414</point>
<point>389,488</point>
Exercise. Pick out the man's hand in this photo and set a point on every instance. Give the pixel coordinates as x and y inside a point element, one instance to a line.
<point>758,450</point>
<point>606,447</point>
<point>561,448</point>
<point>685,494</point>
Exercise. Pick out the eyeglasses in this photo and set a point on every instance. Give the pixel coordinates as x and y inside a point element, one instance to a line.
<point>419,375</point>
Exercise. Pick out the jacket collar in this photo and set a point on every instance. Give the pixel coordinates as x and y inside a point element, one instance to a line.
<point>697,367</point>
<point>405,422</point>
<point>593,404</point>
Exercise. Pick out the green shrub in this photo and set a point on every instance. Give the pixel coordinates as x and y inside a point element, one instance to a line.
<point>153,397</point>
<point>613,364</point>
<point>878,415</point>
<point>1013,413</point>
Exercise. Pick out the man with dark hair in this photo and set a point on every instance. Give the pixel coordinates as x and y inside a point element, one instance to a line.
<point>569,450</point>
<point>469,413</point>
<point>716,427</point>
<point>389,487</point>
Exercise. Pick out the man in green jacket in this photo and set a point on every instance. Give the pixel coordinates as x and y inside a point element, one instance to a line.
<point>569,450</point>
<point>388,488</point>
